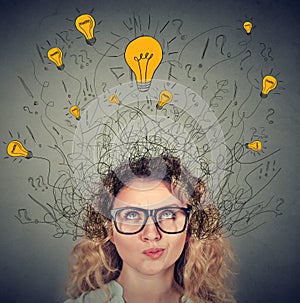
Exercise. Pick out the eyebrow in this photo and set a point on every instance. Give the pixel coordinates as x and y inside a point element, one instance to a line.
<point>170,205</point>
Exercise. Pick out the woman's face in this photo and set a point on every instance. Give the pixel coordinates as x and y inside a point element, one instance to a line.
<point>150,251</point>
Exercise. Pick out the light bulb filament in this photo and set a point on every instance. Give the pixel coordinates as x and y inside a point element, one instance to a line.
<point>143,77</point>
<point>14,148</point>
<point>54,54</point>
<point>85,22</point>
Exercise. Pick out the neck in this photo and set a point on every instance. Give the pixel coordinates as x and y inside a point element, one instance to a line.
<point>159,288</point>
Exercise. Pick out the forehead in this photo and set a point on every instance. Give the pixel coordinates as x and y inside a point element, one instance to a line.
<point>145,193</point>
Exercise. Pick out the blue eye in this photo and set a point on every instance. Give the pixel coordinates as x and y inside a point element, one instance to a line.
<point>167,214</point>
<point>131,215</point>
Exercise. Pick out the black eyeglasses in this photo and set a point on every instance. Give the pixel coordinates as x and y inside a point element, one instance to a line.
<point>131,220</point>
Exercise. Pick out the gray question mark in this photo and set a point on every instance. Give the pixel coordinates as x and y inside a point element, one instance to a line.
<point>271,112</point>
<point>26,108</point>
<point>30,180</point>
<point>188,67</point>
<point>75,58</point>
<point>269,51</point>
<point>183,37</point>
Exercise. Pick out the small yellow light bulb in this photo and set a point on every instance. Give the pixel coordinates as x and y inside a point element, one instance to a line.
<point>268,83</point>
<point>16,149</point>
<point>255,145</point>
<point>143,55</point>
<point>114,99</point>
<point>75,111</point>
<point>85,24</point>
<point>248,27</point>
<point>165,97</point>
<point>55,55</point>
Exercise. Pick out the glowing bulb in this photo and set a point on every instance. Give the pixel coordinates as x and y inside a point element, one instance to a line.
<point>165,97</point>
<point>269,83</point>
<point>75,111</point>
<point>143,55</point>
<point>55,55</point>
<point>16,149</point>
<point>255,145</point>
<point>248,27</point>
<point>85,24</point>
<point>114,99</point>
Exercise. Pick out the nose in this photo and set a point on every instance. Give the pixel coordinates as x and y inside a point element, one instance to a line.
<point>150,232</point>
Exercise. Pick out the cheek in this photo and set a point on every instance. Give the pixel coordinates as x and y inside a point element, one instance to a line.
<point>177,245</point>
<point>125,244</point>
<point>183,240</point>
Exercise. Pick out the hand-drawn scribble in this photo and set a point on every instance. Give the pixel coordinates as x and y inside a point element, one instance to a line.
<point>200,110</point>
<point>27,89</point>
<point>248,52</point>
<point>222,38</point>
<point>266,52</point>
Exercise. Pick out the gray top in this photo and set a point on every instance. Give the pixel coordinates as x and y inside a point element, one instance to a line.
<point>99,294</point>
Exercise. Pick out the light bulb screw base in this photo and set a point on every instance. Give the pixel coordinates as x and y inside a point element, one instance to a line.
<point>143,87</point>
<point>91,41</point>
<point>29,155</point>
<point>263,95</point>
<point>158,107</point>
<point>61,67</point>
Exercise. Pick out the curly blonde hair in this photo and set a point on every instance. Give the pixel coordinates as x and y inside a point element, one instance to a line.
<point>206,258</point>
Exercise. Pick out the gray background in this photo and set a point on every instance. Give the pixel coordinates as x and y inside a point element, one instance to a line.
<point>33,263</point>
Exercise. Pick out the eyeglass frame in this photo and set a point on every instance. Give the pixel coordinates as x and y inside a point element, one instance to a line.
<point>151,213</point>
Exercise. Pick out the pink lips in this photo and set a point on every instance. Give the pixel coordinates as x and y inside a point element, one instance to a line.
<point>153,253</point>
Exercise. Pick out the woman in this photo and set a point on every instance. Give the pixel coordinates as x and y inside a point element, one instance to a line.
<point>148,239</point>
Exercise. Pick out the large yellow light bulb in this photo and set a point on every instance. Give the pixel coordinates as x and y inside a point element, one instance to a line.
<point>16,149</point>
<point>165,97</point>
<point>75,111</point>
<point>85,24</point>
<point>248,27</point>
<point>143,55</point>
<point>269,83</point>
<point>55,55</point>
<point>255,145</point>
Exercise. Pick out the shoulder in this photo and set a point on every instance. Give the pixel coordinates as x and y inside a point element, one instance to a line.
<point>116,293</point>
<point>185,300</point>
